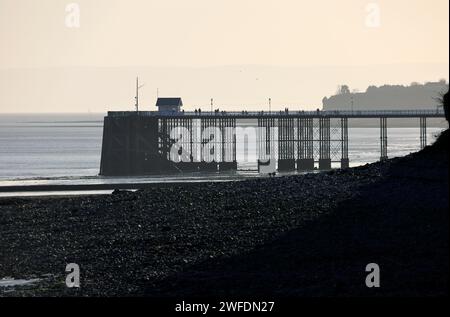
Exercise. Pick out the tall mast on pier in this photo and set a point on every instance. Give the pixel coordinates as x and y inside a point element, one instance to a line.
<point>137,94</point>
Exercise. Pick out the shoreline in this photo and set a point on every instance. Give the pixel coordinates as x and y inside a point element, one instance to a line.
<point>96,187</point>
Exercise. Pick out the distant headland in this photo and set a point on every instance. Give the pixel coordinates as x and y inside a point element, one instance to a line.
<point>388,97</point>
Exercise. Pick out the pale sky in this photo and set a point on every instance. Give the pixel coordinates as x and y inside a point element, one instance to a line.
<point>211,33</point>
<point>222,32</point>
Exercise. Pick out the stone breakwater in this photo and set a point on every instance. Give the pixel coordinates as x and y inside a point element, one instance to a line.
<point>306,235</point>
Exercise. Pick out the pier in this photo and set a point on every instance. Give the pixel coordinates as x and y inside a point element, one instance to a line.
<point>151,142</point>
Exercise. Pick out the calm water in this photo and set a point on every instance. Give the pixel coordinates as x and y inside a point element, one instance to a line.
<point>66,149</point>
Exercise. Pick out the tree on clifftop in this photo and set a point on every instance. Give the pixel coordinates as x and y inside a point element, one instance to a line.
<point>343,90</point>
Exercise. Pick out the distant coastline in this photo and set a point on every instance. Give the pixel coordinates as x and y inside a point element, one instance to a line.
<point>389,97</point>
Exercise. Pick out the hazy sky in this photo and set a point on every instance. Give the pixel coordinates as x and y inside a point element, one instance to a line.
<point>205,33</point>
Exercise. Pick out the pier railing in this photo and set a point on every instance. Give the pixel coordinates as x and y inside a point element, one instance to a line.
<point>421,113</point>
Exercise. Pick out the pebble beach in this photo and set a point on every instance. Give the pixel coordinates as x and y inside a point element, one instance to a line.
<point>303,235</point>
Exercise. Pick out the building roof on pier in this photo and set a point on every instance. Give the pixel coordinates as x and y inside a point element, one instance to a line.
<point>169,102</point>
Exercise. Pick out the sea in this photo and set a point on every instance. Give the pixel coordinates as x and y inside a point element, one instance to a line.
<point>65,149</point>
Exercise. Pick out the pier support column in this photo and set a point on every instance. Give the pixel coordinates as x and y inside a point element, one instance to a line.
<point>204,165</point>
<point>423,132</point>
<point>196,143</point>
<point>383,138</point>
<point>286,165</point>
<point>286,156</point>
<point>305,146</point>
<point>345,162</point>
<point>228,160</point>
<point>165,126</point>
<point>267,146</point>
<point>324,143</point>
<point>187,163</point>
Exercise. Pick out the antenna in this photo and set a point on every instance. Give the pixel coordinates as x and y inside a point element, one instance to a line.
<point>137,93</point>
<point>270,105</point>
<point>212,102</point>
